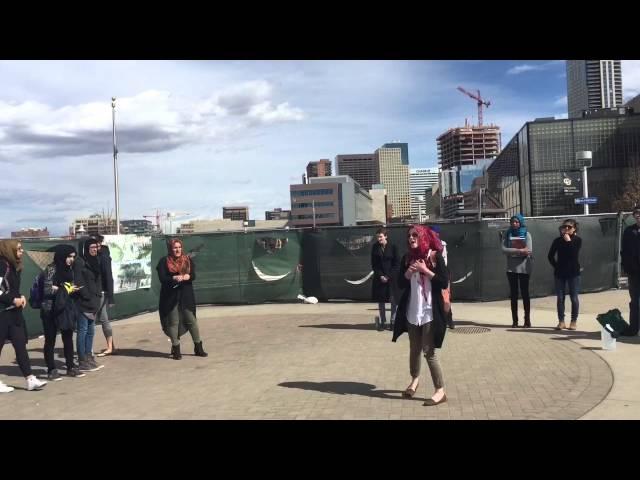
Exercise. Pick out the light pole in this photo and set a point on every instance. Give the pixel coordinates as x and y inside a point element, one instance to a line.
<point>115,165</point>
<point>313,209</point>
<point>585,158</point>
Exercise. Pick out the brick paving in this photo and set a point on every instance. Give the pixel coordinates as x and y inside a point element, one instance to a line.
<point>314,362</point>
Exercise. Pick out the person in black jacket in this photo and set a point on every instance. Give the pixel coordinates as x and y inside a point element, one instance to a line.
<point>631,264</point>
<point>89,282</point>
<point>563,257</point>
<point>384,263</point>
<point>422,277</point>
<point>56,274</point>
<point>106,296</point>
<point>12,303</point>
<point>177,308</point>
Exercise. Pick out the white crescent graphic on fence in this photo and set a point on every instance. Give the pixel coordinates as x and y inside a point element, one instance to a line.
<point>460,280</point>
<point>361,281</point>
<point>265,277</point>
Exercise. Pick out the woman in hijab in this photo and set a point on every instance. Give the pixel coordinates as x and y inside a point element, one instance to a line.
<point>52,311</point>
<point>518,246</point>
<point>177,273</point>
<point>422,277</point>
<point>12,303</point>
<point>89,282</point>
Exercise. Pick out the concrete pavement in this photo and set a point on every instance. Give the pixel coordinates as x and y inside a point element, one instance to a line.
<point>326,361</point>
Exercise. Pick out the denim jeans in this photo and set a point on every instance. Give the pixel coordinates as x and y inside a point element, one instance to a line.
<point>571,286</point>
<point>84,338</point>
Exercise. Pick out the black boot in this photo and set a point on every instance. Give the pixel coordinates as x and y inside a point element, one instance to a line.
<point>199,351</point>
<point>175,352</point>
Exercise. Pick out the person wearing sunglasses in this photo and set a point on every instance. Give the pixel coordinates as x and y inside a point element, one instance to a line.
<point>630,254</point>
<point>421,278</point>
<point>563,257</point>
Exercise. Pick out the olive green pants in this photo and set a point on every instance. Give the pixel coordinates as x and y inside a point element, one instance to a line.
<point>189,321</point>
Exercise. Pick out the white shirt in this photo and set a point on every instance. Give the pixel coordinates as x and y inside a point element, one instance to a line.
<point>420,309</point>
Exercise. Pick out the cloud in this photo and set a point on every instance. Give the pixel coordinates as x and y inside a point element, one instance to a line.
<point>526,67</point>
<point>561,101</point>
<point>630,79</point>
<point>150,122</point>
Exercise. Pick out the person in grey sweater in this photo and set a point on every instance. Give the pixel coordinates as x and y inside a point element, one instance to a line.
<point>517,245</point>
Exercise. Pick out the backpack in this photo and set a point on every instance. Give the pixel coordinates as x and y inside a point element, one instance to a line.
<point>36,293</point>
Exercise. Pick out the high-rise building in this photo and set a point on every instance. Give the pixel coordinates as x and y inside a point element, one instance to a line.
<point>463,152</point>
<point>321,168</point>
<point>419,180</point>
<point>464,145</point>
<point>531,174</point>
<point>363,168</point>
<point>235,213</point>
<point>593,84</point>
<point>277,214</point>
<point>393,161</point>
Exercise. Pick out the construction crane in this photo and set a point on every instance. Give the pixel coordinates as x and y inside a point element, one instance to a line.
<point>480,101</point>
<point>165,216</point>
<point>157,217</point>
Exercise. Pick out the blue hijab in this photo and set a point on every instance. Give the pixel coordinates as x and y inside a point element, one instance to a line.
<point>518,232</point>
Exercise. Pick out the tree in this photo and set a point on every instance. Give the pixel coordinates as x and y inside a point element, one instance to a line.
<point>629,195</point>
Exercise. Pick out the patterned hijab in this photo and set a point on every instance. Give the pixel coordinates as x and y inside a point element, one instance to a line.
<point>177,265</point>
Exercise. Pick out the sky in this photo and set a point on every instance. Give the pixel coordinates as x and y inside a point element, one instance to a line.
<point>194,136</point>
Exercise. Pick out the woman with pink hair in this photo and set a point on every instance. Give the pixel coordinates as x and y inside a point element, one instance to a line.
<point>422,277</point>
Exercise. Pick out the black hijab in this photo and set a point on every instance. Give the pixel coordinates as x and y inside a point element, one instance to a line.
<point>64,272</point>
<point>92,262</point>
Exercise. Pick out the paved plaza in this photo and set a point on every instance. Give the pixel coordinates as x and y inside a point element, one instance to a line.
<point>326,361</point>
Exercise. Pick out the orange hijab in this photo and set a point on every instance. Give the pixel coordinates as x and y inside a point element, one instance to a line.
<point>177,265</point>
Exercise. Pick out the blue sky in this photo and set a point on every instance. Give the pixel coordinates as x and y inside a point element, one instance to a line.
<point>197,135</point>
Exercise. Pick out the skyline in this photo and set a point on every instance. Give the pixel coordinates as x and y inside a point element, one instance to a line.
<point>198,135</point>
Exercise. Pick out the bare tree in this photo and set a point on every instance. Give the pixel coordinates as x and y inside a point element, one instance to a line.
<point>629,195</point>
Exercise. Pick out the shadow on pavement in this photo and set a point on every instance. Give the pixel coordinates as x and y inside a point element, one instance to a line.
<point>347,388</point>
<point>343,326</point>
<point>136,352</point>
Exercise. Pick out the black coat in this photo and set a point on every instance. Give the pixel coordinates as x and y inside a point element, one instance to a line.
<point>439,282</point>
<point>173,293</point>
<point>11,278</point>
<point>104,256</point>
<point>383,262</point>
<point>631,250</point>
<point>566,265</point>
<point>88,297</point>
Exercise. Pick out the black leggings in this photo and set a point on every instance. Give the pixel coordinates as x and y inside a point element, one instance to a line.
<point>50,333</point>
<point>523,279</point>
<point>16,333</point>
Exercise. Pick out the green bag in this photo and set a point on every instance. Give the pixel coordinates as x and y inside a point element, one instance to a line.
<point>613,322</point>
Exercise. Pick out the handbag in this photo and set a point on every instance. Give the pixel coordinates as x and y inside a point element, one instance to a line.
<point>446,292</point>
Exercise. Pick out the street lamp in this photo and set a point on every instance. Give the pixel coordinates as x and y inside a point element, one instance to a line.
<point>585,159</point>
<point>313,209</point>
<point>115,165</point>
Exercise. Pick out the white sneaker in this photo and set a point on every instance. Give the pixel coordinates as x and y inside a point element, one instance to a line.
<point>34,384</point>
<point>5,388</point>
